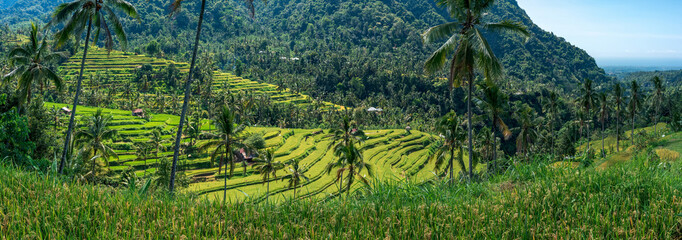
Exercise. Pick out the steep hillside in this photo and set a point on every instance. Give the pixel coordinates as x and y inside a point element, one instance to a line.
<point>393,153</point>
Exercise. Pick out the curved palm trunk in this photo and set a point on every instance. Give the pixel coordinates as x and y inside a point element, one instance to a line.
<point>178,136</point>
<point>75,100</point>
<point>469,130</point>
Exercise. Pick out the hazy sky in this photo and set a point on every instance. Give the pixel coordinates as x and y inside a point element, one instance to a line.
<point>615,30</point>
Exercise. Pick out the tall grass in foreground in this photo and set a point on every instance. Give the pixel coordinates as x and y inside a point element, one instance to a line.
<point>640,199</point>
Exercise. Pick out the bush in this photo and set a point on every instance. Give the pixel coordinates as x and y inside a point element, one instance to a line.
<point>15,145</point>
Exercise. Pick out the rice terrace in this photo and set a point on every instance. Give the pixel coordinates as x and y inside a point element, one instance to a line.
<point>308,119</point>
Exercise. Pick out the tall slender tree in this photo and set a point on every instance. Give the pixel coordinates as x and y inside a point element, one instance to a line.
<point>633,107</point>
<point>175,7</point>
<point>618,102</point>
<point>588,99</point>
<point>94,13</point>
<point>93,139</point>
<point>268,167</point>
<point>348,155</point>
<point>657,99</point>
<point>29,66</point>
<point>296,173</point>
<point>528,121</point>
<point>604,111</point>
<point>469,48</point>
<point>550,106</point>
<point>493,103</point>
<point>230,134</point>
<point>451,130</point>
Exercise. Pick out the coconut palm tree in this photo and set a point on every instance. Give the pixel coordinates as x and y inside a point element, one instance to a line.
<point>493,103</point>
<point>604,110</point>
<point>267,166</point>
<point>618,102</point>
<point>657,99</point>
<point>634,106</point>
<point>29,67</point>
<point>588,100</point>
<point>469,48</point>
<point>75,15</point>
<point>156,141</point>
<point>528,122</point>
<point>94,138</point>
<point>550,106</point>
<point>450,129</point>
<point>342,137</point>
<point>142,151</point>
<point>176,6</point>
<point>295,175</point>
<point>349,159</point>
<point>229,136</point>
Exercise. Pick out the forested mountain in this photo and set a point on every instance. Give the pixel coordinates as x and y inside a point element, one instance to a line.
<point>357,53</point>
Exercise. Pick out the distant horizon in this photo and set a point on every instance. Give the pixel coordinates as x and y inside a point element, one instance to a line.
<point>615,32</point>
<point>666,63</point>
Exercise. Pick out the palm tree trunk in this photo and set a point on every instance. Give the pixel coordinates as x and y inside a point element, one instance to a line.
<point>93,162</point>
<point>341,183</point>
<point>617,132</point>
<point>75,100</point>
<point>603,154</point>
<point>267,191</point>
<point>469,123</point>
<point>494,145</point>
<point>228,154</point>
<point>350,180</point>
<point>632,134</point>
<point>178,136</point>
<point>450,164</point>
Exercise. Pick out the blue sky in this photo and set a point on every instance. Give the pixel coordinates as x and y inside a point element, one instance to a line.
<point>615,32</point>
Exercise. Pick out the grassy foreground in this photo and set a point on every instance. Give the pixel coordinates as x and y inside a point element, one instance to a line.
<point>640,199</point>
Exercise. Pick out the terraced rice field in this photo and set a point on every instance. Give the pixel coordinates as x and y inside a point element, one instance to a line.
<point>120,67</point>
<point>671,143</point>
<point>394,153</point>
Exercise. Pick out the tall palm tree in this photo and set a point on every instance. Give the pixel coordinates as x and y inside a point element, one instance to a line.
<point>29,67</point>
<point>451,130</point>
<point>295,175</point>
<point>550,106</point>
<point>230,134</point>
<point>493,104</point>
<point>528,121</point>
<point>142,150</point>
<point>156,141</point>
<point>634,106</point>
<point>342,137</point>
<point>588,99</point>
<point>657,99</point>
<point>469,47</point>
<point>604,110</point>
<point>618,102</point>
<point>94,13</point>
<point>175,8</point>
<point>349,159</point>
<point>267,166</point>
<point>94,138</point>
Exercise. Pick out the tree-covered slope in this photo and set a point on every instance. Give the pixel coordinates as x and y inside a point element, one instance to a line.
<point>352,53</point>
